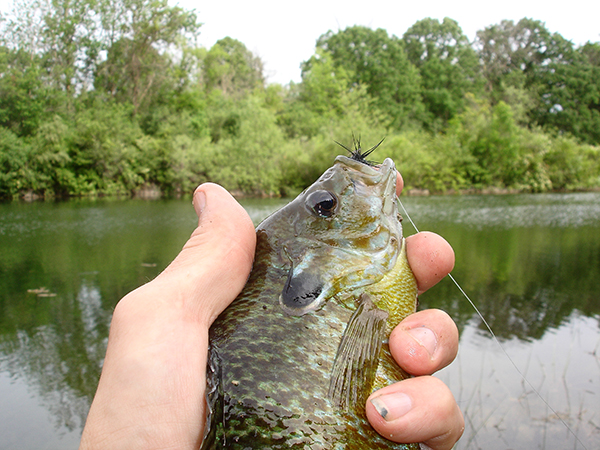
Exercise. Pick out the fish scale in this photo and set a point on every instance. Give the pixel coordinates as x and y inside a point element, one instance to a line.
<point>276,349</point>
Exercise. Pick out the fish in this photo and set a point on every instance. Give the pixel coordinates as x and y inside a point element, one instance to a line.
<point>293,359</point>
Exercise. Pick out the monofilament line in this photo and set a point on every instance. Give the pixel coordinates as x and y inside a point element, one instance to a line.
<point>498,342</point>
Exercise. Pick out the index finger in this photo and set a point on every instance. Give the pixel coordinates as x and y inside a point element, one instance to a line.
<point>429,255</point>
<point>399,183</point>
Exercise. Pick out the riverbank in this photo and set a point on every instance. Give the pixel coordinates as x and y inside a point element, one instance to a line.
<point>154,193</point>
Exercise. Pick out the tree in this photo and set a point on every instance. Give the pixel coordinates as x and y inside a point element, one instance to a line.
<point>22,27</point>
<point>247,157</point>
<point>69,48</point>
<point>57,35</point>
<point>317,100</point>
<point>513,52</point>
<point>591,51</point>
<point>491,136</point>
<point>448,66</point>
<point>23,97</point>
<point>570,95</point>
<point>131,74</point>
<point>138,62</point>
<point>378,61</point>
<point>232,68</point>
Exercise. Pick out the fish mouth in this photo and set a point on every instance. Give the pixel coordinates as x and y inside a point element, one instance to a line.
<point>366,169</point>
<point>382,175</point>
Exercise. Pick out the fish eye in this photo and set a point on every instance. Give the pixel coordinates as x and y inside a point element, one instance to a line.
<point>322,203</point>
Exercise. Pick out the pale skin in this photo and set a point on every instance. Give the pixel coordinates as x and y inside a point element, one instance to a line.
<point>151,391</point>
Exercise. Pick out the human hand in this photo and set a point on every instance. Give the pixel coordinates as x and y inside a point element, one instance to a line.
<point>151,391</point>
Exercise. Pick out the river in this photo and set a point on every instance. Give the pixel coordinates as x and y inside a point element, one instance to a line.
<point>530,263</point>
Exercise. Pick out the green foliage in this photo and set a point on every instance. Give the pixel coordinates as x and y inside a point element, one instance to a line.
<point>230,67</point>
<point>23,97</point>
<point>104,153</point>
<point>571,165</point>
<point>520,63</point>
<point>324,101</point>
<point>523,47</point>
<point>319,99</point>
<point>137,69</point>
<point>15,173</point>
<point>570,95</point>
<point>115,97</point>
<point>378,61</point>
<point>490,134</point>
<point>247,159</point>
<point>506,155</point>
<point>448,65</point>
<point>437,163</point>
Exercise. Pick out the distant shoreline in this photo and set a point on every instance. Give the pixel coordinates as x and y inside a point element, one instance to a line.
<point>156,194</point>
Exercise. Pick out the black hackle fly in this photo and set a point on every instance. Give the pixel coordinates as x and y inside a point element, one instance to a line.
<point>357,153</point>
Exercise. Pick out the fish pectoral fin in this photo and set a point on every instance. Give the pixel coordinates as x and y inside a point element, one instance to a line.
<point>357,356</point>
<point>214,400</point>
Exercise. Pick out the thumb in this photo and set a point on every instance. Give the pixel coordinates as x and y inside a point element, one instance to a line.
<point>213,266</point>
<point>151,390</point>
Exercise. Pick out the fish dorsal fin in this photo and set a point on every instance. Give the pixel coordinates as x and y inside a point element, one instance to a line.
<point>357,356</point>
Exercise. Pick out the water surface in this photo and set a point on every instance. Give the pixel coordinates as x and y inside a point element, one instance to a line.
<point>531,263</point>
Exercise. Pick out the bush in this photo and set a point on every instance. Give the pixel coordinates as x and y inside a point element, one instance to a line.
<point>15,172</point>
<point>247,158</point>
<point>572,165</point>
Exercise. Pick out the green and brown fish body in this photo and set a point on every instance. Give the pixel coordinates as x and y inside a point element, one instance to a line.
<point>294,357</point>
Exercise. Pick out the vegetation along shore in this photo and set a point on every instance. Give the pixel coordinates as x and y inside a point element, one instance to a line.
<point>115,97</point>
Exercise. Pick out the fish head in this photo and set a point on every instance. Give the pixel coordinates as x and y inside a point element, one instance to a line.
<point>339,235</point>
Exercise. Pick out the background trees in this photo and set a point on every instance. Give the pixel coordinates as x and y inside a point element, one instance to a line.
<point>24,96</point>
<point>230,67</point>
<point>137,36</point>
<point>569,93</point>
<point>115,96</point>
<point>515,58</point>
<point>448,65</point>
<point>377,61</point>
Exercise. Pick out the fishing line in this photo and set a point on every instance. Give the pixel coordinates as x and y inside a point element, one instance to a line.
<point>489,328</point>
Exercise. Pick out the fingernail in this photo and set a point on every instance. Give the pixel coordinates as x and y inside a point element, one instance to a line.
<point>392,406</point>
<point>199,202</point>
<point>424,447</point>
<point>425,338</point>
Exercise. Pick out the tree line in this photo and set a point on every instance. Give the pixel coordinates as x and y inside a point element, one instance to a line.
<point>115,96</point>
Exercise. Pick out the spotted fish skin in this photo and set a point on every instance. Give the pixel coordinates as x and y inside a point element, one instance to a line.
<point>294,357</point>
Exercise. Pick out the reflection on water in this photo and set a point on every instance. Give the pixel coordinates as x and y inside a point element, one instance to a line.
<point>63,266</point>
<point>508,211</point>
<point>504,412</point>
<point>531,263</point>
